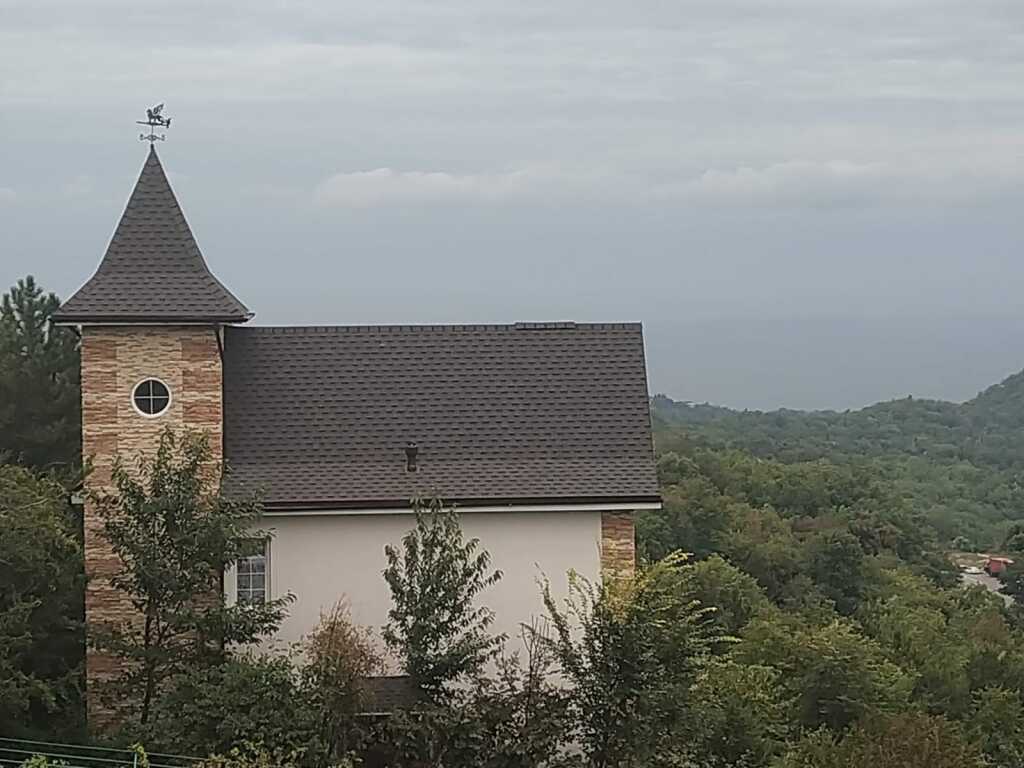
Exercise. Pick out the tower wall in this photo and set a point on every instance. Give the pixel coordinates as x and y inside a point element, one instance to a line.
<point>618,543</point>
<point>114,359</point>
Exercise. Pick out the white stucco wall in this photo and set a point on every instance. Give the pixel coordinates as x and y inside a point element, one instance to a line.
<point>320,558</point>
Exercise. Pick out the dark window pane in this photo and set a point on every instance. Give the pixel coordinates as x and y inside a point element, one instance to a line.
<point>151,397</point>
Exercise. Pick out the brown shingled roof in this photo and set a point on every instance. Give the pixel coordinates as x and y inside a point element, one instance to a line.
<point>546,413</point>
<point>153,270</point>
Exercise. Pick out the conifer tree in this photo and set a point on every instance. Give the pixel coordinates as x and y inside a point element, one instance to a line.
<point>39,383</point>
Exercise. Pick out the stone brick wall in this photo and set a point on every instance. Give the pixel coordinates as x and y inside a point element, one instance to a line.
<point>618,544</point>
<point>114,360</point>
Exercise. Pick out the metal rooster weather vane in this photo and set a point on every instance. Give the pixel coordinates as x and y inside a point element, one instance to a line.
<point>154,119</point>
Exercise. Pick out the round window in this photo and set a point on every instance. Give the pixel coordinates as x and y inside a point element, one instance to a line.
<point>151,397</point>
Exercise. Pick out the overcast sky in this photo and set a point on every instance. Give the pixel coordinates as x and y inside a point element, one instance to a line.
<point>808,203</point>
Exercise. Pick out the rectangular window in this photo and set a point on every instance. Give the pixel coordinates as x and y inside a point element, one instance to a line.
<point>251,578</point>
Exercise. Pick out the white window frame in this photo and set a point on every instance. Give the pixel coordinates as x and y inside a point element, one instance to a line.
<point>158,414</point>
<point>231,578</point>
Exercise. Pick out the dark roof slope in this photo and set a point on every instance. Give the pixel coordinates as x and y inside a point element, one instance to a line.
<point>320,417</point>
<point>385,695</point>
<point>153,270</point>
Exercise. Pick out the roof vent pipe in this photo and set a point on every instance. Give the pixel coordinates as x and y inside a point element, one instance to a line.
<point>411,451</point>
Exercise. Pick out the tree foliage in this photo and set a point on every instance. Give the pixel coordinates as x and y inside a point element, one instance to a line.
<point>174,536</point>
<point>817,623</point>
<point>901,741</point>
<point>39,383</point>
<point>630,648</point>
<point>339,657</point>
<point>436,624</point>
<point>517,717</point>
<point>41,593</point>
<point>739,714</point>
<point>958,463</point>
<point>214,708</point>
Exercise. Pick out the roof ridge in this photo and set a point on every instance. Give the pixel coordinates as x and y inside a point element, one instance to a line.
<point>439,327</point>
<point>321,416</point>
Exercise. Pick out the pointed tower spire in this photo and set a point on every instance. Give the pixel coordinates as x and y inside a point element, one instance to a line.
<point>153,271</point>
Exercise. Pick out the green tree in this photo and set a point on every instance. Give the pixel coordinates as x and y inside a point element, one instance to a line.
<point>1013,581</point>
<point>898,741</point>
<point>741,714</point>
<point>997,725</point>
<point>921,638</point>
<point>761,542</point>
<point>832,673</point>
<point>174,535</point>
<point>435,623</point>
<point>837,566</point>
<point>39,383</point>
<point>630,648</point>
<point>736,596</point>
<point>41,593</point>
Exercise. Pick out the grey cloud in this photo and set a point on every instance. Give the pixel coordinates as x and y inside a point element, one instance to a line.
<point>706,166</point>
<point>793,182</point>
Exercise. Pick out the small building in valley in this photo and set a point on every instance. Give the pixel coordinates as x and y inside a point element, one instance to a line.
<point>997,565</point>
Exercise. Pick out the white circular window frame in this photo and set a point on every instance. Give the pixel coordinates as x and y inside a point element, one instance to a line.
<point>142,413</point>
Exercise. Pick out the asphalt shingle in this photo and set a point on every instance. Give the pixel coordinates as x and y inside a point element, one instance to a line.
<point>320,417</point>
<point>153,269</point>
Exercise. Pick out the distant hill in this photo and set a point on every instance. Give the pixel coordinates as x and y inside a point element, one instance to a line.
<point>961,463</point>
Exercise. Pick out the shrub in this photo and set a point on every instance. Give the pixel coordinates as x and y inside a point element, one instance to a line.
<point>339,656</point>
<point>211,710</point>
<point>252,755</point>
<point>514,720</point>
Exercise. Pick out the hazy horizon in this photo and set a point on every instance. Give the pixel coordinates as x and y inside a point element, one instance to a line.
<point>808,205</point>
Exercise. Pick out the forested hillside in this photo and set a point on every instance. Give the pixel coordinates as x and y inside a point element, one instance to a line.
<point>959,465</point>
<point>854,643</point>
<point>794,608</point>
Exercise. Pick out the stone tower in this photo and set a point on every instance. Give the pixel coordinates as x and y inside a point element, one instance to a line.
<point>151,321</point>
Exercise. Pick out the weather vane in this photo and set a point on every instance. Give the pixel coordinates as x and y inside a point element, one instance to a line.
<point>154,119</point>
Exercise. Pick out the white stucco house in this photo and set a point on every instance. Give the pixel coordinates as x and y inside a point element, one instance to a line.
<point>539,432</point>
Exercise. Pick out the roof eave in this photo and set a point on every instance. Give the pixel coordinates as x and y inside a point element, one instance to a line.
<point>60,318</point>
<point>341,505</point>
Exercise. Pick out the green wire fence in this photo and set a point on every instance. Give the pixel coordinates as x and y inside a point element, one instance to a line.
<point>14,752</point>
